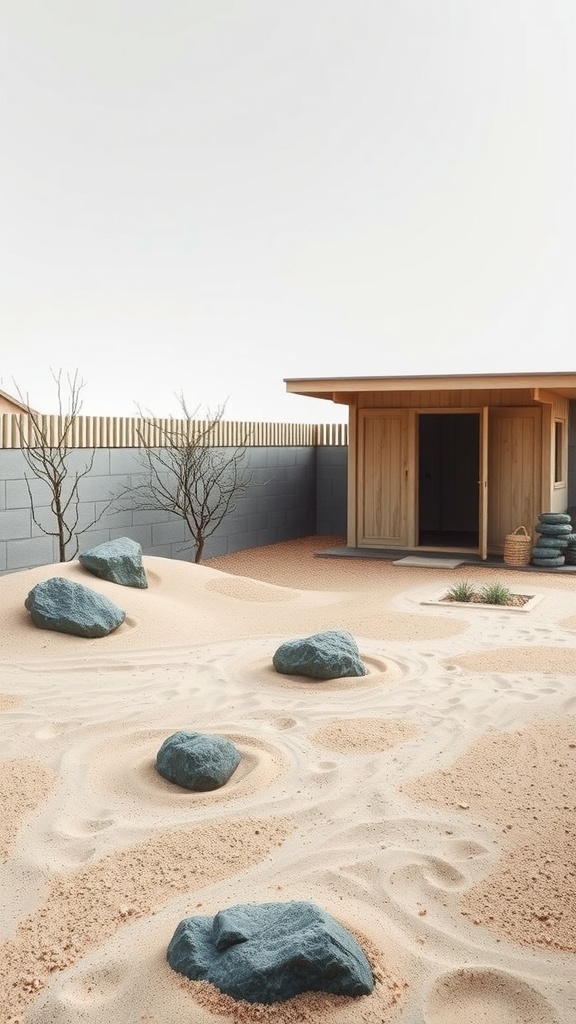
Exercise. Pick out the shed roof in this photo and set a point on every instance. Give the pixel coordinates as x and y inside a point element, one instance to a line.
<point>338,388</point>
<point>17,403</point>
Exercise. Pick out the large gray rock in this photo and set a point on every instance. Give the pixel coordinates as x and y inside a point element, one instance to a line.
<point>119,561</point>
<point>68,607</point>
<point>266,953</point>
<point>328,655</point>
<point>197,761</point>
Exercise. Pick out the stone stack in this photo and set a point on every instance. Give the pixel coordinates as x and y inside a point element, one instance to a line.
<point>554,529</point>
<point>570,549</point>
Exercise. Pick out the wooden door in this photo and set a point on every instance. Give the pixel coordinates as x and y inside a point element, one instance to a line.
<point>483,485</point>
<point>514,472</point>
<point>383,478</point>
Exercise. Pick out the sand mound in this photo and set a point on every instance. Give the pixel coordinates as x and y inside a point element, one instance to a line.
<point>429,805</point>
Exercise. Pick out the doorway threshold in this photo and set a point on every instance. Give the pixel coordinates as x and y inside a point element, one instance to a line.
<point>395,554</point>
<point>429,562</point>
<point>472,558</point>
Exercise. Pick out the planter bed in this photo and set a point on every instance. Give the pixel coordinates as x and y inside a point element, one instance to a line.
<point>521,602</point>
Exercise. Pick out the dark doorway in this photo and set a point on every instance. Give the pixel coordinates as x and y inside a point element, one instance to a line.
<point>448,474</point>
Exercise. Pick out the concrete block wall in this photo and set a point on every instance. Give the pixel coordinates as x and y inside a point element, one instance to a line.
<point>279,504</point>
<point>331,490</point>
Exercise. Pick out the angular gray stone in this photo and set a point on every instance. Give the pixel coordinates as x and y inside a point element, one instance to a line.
<point>266,953</point>
<point>197,761</point>
<point>119,561</point>
<point>68,607</point>
<point>328,655</point>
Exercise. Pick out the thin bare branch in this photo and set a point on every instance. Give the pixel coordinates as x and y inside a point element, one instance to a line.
<point>49,461</point>
<point>188,476</point>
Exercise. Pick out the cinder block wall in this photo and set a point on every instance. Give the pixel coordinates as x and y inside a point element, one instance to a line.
<point>288,485</point>
<point>331,490</point>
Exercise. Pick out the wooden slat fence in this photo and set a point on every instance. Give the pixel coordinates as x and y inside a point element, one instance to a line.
<point>17,431</point>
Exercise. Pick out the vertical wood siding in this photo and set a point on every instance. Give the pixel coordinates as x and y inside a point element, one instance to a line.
<point>17,430</point>
<point>382,479</point>
<point>470,399</point>
<point>515,480</point>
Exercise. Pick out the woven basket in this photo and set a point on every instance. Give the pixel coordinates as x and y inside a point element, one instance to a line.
<point>517,547</point>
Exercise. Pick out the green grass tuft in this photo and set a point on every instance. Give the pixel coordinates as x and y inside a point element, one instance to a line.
<point>496,593</point>
<point>462,591</point>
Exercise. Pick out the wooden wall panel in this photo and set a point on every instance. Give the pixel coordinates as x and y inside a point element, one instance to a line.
<point>352,483</point>
<point>514,475</point>
<point>560,407</point>
<point>382,479</point>
<point>555,408</point>
<point>443,399</point>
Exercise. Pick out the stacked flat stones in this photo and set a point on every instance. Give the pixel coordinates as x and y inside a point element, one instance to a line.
<point>555,532</point>
<point>570,550</point>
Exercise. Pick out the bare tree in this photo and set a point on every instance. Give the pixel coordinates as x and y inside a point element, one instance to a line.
<point>49,453</point>
<point>187,474</point>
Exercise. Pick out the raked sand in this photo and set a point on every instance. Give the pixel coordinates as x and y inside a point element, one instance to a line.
<point>430,806</point>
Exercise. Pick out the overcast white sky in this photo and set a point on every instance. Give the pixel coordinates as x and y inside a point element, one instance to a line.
<point>217,194</point>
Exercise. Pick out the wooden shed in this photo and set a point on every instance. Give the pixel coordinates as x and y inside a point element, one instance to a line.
<point>451,463</point>
<point>9,404</point>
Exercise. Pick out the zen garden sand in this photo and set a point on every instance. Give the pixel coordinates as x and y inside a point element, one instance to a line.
<point>430,806</point>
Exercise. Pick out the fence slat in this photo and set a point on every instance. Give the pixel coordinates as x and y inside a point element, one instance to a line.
<point>16,430</point>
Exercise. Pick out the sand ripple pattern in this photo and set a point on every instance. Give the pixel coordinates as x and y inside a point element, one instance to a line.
<point>480,994</point>
<point>414,804</point>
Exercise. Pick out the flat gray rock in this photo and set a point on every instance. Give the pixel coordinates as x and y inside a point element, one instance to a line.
<point>328,655</point>
<point>554,541</point>
<point>545,553</point>
<point>118,561</point>
<point>270,952</point>
<point>197,761</point>
<point>553,529</point>
<point>67,607</point>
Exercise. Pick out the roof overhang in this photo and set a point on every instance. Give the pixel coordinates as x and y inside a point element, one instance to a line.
<point>19,405</point>
<point>342,389</point>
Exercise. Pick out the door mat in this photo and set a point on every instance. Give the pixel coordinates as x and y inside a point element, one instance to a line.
<point>422,562</point>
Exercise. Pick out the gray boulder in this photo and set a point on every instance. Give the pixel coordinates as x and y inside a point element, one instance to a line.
<point>328,655</point>
<point>266,953</point>
<point>197,761</point>
<point>68,607</point>
<point>119,561</point>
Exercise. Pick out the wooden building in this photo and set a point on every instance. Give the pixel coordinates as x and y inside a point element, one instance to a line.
<point>9,404</point>
<point>451,463</point>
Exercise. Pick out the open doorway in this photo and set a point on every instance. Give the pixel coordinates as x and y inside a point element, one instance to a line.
<point>448,475</point>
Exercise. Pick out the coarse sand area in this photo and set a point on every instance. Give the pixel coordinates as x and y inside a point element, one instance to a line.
<point>430,805</point>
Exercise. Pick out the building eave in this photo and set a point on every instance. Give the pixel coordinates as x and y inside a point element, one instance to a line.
<point>563,383</point>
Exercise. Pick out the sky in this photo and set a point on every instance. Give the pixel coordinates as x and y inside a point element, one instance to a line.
<point>210,196</point>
